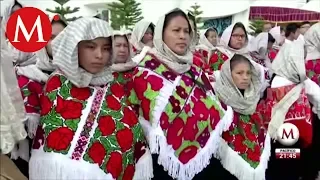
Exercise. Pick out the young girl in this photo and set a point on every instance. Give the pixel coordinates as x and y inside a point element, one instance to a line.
<point>87,129</point>
<point>142,35</point>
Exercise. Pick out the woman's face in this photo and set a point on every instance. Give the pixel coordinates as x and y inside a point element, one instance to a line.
<point>238,38</point>
<point>147,39</point>
<point>212,37</point>
<point>95,54</point>
<point>121,49</point>
<point>56,29</point>
<point>241,75</point>
<point>177,35</point>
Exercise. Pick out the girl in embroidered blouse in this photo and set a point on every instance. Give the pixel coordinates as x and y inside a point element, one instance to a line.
<point>179,112</point>
<point>87,129</point>
<point>295,99</point>
<point>245,145</point>
<point>312,40</point>
<point>142,35</point>
<point>259,48</point>
<point>207,43</point>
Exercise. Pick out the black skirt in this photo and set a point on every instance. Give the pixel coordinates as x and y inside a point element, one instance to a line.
<point>213,171</point>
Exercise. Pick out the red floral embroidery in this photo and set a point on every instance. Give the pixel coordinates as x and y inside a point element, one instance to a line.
<point>128,173</point>
<point>106,125</point>
<point>22,81</point>
<point>68,109</point>
<point>39,138</point>
<point>129,117</point>
<point>80,93</point>
<point>125,139</point>
<point>46,105</point>
<point>113,103</point>
<point>175,133</point>
<point>145,103</point>
<point>214,117</point>
<point>175,104</point>
<point>117,90</point>
<point>114,165</point>
<point>35,87</point>
<point>201,111</point>
<point>164,121</point>
<point>53,83</point>
<point>191,129</point>
<point>255,154</point>
<point>156,82</point>
<point>97,152</point>
<point>238,143</point>
<point>60,139</point>
<point>187,154</point>
<point>198,93</point>
<point>33,100</point>
<point>139,150</point>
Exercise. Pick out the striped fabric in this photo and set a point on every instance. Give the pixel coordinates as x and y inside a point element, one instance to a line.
<point>65,51</point>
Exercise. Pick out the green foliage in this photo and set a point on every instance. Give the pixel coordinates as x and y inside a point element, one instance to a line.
<point>196,12</point>
<point>63,11</point>
<point>256,25</point>
<point>125,14</point>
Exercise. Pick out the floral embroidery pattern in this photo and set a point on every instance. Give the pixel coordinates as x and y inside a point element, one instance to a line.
<point>30,91</point>
<point>217,59</point>
<point>313,70</point>
<point>189,116</point>
<point>117,142</point>
<point>246,141</point>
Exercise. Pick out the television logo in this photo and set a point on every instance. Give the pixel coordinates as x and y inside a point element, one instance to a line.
<point>29,29</point>
<point>287,135</point>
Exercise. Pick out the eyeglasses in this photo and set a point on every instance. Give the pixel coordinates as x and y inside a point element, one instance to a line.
<point>242,36</point>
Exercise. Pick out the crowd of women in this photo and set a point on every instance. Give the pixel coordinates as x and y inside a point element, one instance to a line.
<point>159,103</point>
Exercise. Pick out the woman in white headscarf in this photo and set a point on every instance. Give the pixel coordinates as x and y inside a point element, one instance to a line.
<point>12,114</point>
<point>279,35</point>
<point>87,129</point>
<point>19,58</point>
<point>245,147</point>
<point>142,35</point>
<point>293,98</point>
<point>312,44</point>
<point>207,43</point>
<point>180,114</point>
<point>259,48</point>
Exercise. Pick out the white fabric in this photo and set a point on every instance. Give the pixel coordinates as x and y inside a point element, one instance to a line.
<point>276,34</point>
<point>259,46</point>
<point>289,64</point>
<point>204,43</point>
<point>312,42</point>
<point>137,34</point>
<point>12,107</point>
<point>65,51</point>
<point>179,64</point>
<point>224,47</point>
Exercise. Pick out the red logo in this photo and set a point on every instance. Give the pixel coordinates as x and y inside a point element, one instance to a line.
<point>29,29</point>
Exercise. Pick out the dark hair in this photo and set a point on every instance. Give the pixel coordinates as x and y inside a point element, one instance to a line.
<point>151,26</point>
<point>271,38</point>
<point>304,23</point>
<point>237,59</point>
<point>173,14</point>
<point>97,16</point>
<point>60,21</point>
<point>281,29</point>
<point>291,28</point>
<point>16,3</point>
<point>193,18</point>
<point>212,29</point>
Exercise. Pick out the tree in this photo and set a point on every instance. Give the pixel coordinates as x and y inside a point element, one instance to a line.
<point>63,11</point>
<point>125,14</point>
<point>256,25</point>
<point>196,12</point>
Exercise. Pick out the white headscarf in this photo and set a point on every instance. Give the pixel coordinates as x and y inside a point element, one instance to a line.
<point>276,34</point>
<point>129,64</point>
<point>204,42</point>
<point>289,63</point>
<point>312,42</point>
<point>12,106</point>
<point>224,47</point>
<point>65,51</point>
<point>137,34</point>
<point>229,93</point>
<point>180,64</point>
<point>260,45</point>
<point>7,12</point>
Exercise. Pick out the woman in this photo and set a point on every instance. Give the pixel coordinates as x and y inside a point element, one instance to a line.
<point>207,43</point>
<point>290,99</point>
<point>245,147</point>
<point>142,35</point>
<point>179,112</point>
<point>87,129</point>
<point>312,39</point>
<point>259,48</point>
<point>279,35</point>
<point>12,115</point>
